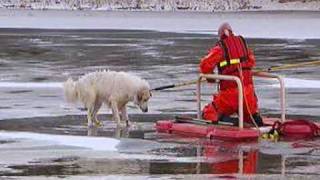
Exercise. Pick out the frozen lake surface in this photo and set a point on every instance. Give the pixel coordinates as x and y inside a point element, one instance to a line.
<point>41,135</point>
<point>65,147</point>
<point>258,24</point>
<point>34,63</point>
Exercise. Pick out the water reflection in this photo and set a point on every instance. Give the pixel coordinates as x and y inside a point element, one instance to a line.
<point>117,132</point>
<point>220,157</point>
<point>143,151</point>
<point>209,157</point>
<point>235,158</point>
<point>183,155</point>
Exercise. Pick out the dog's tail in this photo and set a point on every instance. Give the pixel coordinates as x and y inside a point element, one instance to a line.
<point>70,92</point>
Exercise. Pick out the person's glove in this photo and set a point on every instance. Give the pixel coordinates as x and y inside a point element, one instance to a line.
<point>211,80</point>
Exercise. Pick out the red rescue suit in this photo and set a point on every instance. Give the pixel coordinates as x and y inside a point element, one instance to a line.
<point>232,57</point>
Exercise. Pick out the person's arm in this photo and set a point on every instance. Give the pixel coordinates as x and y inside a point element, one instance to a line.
<point>209,62</point>
<point>251,59</point>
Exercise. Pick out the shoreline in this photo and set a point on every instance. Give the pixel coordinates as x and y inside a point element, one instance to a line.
<point>166,11</point>
<point>166,5</point>
<point>247,23</point>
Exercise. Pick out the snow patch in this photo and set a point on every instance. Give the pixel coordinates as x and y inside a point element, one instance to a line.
<point>95,143</point>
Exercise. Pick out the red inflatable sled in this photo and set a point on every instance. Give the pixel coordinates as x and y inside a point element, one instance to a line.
<point>196,127</point>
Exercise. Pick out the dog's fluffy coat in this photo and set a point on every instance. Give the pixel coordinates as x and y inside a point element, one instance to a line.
<point>115,89</point>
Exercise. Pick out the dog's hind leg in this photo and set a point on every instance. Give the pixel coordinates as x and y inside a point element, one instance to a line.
<point>97,106</point>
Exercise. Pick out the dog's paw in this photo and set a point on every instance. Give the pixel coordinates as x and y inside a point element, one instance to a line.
<point>98,123</point>
<point>90,125</point>
<point>128,123</point>
<point>134,126</point>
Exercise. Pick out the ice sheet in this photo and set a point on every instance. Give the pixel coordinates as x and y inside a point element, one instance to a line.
<point>94,143</point>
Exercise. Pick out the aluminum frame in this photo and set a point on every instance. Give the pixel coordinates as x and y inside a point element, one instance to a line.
<point>240,90</point>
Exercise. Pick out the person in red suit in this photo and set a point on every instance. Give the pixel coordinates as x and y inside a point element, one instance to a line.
<point>231,56</point>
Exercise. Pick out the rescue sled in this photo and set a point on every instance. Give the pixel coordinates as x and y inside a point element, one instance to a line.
<point>196,127</point>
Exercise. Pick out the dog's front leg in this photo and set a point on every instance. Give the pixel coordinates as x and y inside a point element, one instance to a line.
<point>124,115</point>
<point>115,112</point>
<point>89,117</point>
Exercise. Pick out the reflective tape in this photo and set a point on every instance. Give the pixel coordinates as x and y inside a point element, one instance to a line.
<point>232,61</point>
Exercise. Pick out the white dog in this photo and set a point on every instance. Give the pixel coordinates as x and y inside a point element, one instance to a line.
<point>115,89</point>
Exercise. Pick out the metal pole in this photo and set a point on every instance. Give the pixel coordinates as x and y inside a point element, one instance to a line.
<point>282,91</point>
<point>240,92</point>
<point>198,166</point>
<point>283,165</point>
<point>282,99</point>
<point>241,160</point>
<point>240,101</point>
<point>222,77</point>
<point>198,94</point>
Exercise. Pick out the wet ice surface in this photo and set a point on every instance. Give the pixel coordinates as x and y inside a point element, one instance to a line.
<point>33,63</point>
<point>65,147</point>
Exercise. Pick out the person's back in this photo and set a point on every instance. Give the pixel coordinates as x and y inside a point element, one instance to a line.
<point>232,57</point>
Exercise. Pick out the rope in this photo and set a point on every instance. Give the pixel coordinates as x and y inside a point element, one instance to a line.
<point>270,69</point>
<point>176,85</point>
<point>244,96</point>
<point>289,66</point>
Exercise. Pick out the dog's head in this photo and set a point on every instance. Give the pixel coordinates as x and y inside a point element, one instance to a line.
<point>142,98</point>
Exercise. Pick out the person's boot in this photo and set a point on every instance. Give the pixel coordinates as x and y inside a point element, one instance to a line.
<point>227,120</point>
<point>258,119</point>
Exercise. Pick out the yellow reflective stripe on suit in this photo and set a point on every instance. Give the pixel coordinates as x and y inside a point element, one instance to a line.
<point>232,61</point>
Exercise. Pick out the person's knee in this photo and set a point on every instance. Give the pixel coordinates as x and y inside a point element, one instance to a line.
<point>210,113</point>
